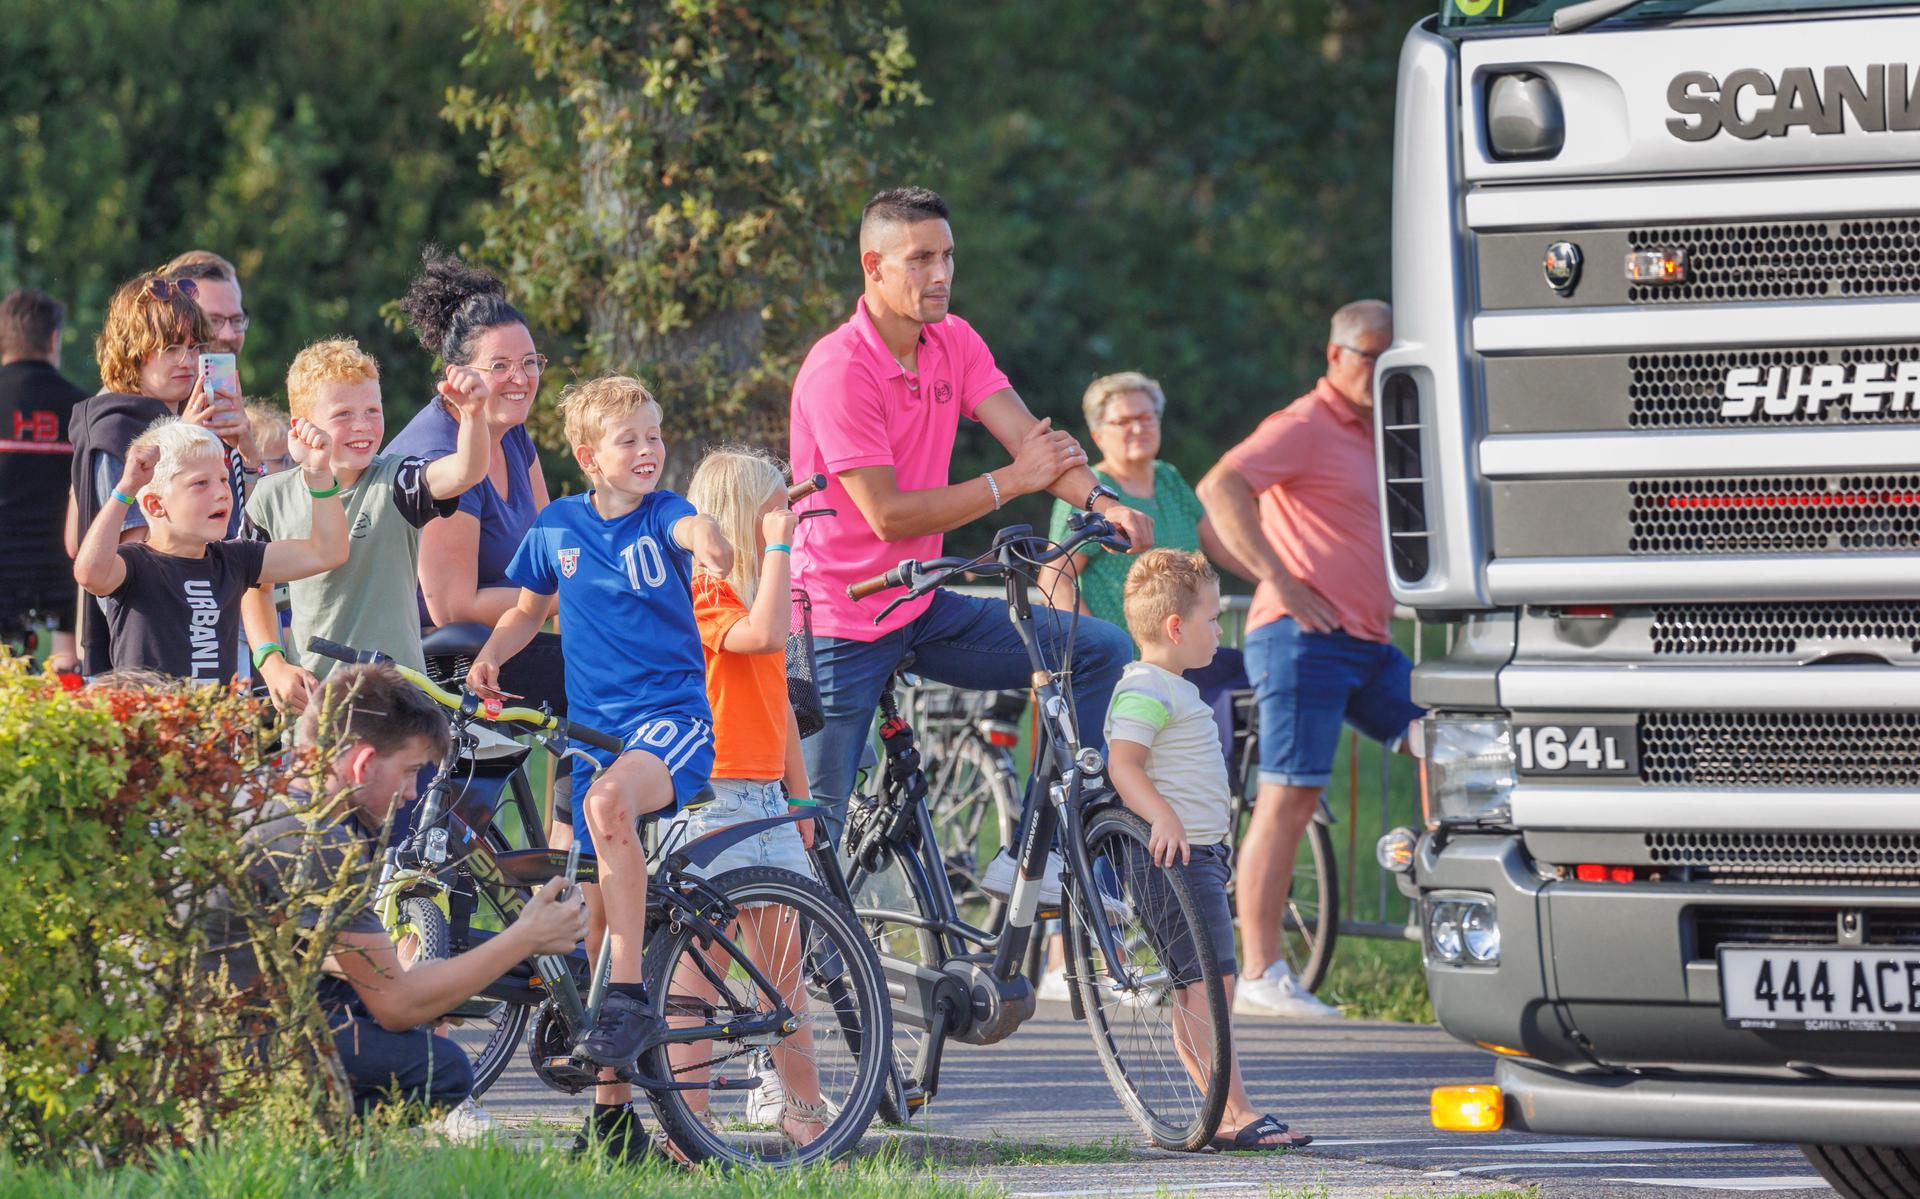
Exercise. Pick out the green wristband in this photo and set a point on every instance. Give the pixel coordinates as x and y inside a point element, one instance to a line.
<point>262,653</point>
<point>328,494</point>
<point>123,497</point>
<point>779,547</point>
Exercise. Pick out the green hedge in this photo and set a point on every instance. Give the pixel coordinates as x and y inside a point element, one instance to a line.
<point>122,811</point>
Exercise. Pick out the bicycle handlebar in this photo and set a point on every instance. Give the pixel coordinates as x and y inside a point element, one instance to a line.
<point>921,577</point>
<point>532,717</point>
<point>802,488</point>
<point>897,577</point>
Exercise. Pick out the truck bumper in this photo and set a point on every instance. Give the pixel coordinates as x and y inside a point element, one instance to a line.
<point>1690,1108</point>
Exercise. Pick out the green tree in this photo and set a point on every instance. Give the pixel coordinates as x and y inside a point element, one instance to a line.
<point>302,141</point>
<point>1183,187</point>
<point>678,184</point>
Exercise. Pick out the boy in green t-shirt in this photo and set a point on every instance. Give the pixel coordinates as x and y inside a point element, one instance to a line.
<point>1163,755</point>
<point>370,601</point>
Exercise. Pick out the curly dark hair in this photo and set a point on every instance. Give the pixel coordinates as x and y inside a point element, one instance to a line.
<point>450,303</point>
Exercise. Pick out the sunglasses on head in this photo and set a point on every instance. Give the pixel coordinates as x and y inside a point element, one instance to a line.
<point>162,289</point>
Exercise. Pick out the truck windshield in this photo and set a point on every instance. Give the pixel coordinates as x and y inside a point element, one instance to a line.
<point>1462,15</point>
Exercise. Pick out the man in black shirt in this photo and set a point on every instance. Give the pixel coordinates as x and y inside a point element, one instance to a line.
<point>36,451</point>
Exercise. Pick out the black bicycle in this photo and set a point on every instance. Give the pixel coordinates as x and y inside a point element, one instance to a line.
<point>1162,1037</point>
<point>805,1008</point>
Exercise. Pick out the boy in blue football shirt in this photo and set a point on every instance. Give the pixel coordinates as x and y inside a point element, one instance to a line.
<point>620,560</point>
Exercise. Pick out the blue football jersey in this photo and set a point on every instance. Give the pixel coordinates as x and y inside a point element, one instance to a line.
<point>627,631</point>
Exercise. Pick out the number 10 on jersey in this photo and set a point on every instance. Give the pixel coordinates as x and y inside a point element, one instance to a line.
<point>645,566</point>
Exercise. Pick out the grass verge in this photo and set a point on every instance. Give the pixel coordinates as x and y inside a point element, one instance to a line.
<point>415,1165</point>
<point>1372,979</point>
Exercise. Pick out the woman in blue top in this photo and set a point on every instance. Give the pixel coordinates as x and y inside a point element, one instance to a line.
<point>462,317</point>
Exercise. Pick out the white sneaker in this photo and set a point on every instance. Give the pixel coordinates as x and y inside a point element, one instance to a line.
<point>763,1106</point>
<point>1053,985</point>
<point>998,880</point>
<point>1279,993</point>
<point>467,1122</point>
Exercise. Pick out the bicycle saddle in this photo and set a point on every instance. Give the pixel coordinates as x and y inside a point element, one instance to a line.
<point>462,640</point>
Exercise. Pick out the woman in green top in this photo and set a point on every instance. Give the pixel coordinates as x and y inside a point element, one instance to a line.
<point>1123,413</point>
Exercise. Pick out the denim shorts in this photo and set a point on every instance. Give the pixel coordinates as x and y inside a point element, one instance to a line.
<point>1310,684</point>
<point>735,800</point>
<point>1207,875</point>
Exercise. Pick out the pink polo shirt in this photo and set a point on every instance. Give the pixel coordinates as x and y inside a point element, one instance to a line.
<point>853,406</point>
<point>1312,464</point>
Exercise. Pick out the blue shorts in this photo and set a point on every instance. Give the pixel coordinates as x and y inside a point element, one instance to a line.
<point>683,741</point>
<point>1310,684</point>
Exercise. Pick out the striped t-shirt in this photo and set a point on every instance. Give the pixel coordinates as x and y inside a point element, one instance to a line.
<point>1165,713</point>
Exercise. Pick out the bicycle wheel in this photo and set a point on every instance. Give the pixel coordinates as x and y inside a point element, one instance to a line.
<point>489,1030</point>
<point>973,799</point>
<point>834,1060</point>
<point>1164,1041</point>
<point>889,888</point>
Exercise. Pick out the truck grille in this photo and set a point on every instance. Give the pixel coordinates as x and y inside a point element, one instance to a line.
<point>1780,749</point>
<point>1826,853</point>
<point>1714,927</point>
<point>1810,260</point>
<point>1778,630</point>
<point>1683,391</point>
<point>1774,515</point>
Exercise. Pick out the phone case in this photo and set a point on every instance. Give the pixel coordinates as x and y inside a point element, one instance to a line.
<point>221,373</point>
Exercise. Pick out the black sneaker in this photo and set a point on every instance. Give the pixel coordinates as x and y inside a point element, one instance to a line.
<point>623,1030</point>
<point>618,1134</point>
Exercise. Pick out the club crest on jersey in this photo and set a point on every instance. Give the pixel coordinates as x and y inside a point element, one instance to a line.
<point>569,562</point>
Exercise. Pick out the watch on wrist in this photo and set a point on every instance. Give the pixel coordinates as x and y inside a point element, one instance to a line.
<point>1100,489</point>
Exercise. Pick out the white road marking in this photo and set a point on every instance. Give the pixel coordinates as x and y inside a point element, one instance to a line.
<point>1587,1147</point>
<point>1765,1182</point>
<point>1162,1188</point>
<point>1320,1142</point>
<point>1516,1166</point>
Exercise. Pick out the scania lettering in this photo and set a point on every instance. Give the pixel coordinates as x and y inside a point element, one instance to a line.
<point>1649,440</point>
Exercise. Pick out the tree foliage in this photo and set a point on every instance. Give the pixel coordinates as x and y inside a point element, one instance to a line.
<point>302,141</point>
<point>677,184</point>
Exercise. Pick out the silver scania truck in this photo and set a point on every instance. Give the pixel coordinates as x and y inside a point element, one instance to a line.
<point>1649,439</point>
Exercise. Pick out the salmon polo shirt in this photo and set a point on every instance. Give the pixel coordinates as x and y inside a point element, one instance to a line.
<point>1312,465</point>
<point>855,406</point>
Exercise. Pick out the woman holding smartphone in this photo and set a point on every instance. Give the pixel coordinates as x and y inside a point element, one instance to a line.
<point>150,353</point>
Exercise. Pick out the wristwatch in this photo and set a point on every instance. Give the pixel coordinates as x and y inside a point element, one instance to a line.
<point>1100,489</point>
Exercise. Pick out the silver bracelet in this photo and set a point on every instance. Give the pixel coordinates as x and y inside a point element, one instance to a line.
<point>995,488</point>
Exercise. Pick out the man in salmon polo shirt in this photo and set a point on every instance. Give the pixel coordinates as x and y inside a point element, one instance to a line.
<point>876,407</point>
<point>1298,501</point>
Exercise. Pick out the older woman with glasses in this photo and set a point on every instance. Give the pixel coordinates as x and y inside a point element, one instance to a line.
<point>1123,413</point>
<point>149,354</point>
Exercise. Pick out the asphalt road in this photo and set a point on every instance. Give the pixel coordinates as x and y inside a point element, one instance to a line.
<point>1359,1088</point>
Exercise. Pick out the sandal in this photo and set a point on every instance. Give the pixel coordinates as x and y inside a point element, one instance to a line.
<point>1253,1138</point>
<point>799,1110</point>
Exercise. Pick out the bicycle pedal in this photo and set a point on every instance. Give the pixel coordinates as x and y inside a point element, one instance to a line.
<point>571,1071</point>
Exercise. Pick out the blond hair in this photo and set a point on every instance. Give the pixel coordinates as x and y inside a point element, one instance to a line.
<point>1107,388</point>
<point>180,443</point>
<point>140,324</point>
<point>1165,583</point>
<point>731,485</point>
<point>335,360</point>
<point>269,424</point>
<point>589,407</point>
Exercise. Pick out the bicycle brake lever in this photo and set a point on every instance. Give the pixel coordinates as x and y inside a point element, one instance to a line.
<point>810,513</point>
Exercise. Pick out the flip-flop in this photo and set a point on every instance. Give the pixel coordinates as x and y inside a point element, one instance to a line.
<point>1253,1138</point>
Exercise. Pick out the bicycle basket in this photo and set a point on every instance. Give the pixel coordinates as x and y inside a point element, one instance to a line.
<point>803,692</point>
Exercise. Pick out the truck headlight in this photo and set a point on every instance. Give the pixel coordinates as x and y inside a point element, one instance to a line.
<point>1469,768</point>
<point>1462,929</point>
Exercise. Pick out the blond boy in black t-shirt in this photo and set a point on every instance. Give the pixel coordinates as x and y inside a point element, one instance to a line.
<point>173,601</point>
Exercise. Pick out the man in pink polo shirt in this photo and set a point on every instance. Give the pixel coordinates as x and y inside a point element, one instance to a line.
<point>1298,502</point>
<point>876,407</point>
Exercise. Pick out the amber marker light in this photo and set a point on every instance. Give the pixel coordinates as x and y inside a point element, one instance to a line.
<point>1468,1109</point>
<point>1667,264</point>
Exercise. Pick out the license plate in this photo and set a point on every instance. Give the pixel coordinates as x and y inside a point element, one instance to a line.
<point>1822,990</point>
<point>1577,750</point>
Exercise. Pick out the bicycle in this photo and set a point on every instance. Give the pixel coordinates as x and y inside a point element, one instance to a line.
<point>1310,928</point>
<point>721,1008</point>
<point>1123,916</point>
<point>974,783</point>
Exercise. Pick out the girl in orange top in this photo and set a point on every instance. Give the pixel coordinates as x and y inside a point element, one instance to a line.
<point>757,769</point>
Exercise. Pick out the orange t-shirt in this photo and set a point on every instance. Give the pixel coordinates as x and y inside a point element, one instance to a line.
<point>748,691</point>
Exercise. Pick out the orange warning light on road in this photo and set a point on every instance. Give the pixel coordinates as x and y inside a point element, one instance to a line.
<point>1468,1109</point>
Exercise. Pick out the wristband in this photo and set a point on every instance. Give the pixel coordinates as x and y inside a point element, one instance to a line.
<point>329,493</point>
<point>993,487</point>
<point>802,801</point>
<point>123,497</point>
<point>266,651</point>
<point>779,548</point>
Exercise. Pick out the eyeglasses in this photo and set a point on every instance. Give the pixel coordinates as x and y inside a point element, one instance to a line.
<point>1143,420</point>
<point>163,289</point>
<point>529,366</point>
<point>237,323</point>
<point>1360,353</point>
<point>175,355</point>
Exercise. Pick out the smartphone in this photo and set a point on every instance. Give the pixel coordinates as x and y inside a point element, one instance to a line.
<point>219,373</point>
